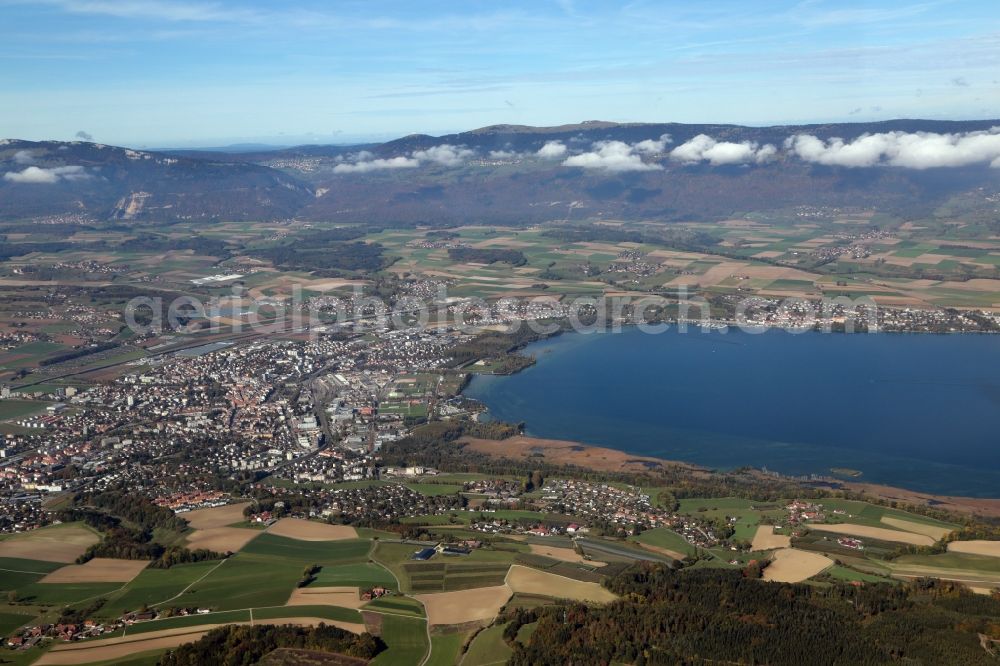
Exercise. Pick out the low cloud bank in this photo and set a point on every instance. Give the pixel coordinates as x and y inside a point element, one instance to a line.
<point>41,176</point>
<point>704,148</point>
<point>614,156</point>
<point>552,150</point>
<point>915,150</point>
<point>376,165</point>
<point>445,154</point>
<point>918,150</point>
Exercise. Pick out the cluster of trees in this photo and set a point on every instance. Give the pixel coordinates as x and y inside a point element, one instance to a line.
<point>128,522</point>
<point>328,259</point>
<point>180,555</point>
<point>487,256</point>
<point>497,344</point>
<point>309,574</point>
<point>80,614</point>
<point>669,615</point>
<point>236,645</point>
<point>134,508</point>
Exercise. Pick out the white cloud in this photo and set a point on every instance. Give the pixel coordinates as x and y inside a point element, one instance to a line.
<point>39,175</point>
<point>504,155</point>
<point>616,156</point>
<point>915,150</point>
<point>704,148</point>
<point>24,157</point>
<point>653,146</point>
<point>552,150</point>
<point>444,154</point>
<point>376,165</point>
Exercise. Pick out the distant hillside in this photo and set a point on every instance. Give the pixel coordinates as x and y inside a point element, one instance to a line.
<point>496,174</point>
<point>106,182</point>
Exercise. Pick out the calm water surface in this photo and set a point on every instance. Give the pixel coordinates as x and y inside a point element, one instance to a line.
<point>918,411</point>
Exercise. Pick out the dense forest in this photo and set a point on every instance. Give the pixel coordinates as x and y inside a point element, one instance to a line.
<point>701,616</point>
<point>326,259</point>
<point>487,256</point>
<point>234,645</point>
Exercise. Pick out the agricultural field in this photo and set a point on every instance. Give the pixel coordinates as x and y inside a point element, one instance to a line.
<point>238,582</point>
<point>311,530</point>
<point>97,570</point>
<point>406,639</point>
<point>446,648</point>
<point>666,542</point>
<point>57,543</point>
<point>482,568</point>
<point>789,565</point>
<point>525,580</point>
<point>451,575</point>
<point>488,647</point>
<point>479,604</point>
<point>154,587</point>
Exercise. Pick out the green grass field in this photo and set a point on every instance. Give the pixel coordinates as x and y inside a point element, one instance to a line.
<point>397,605</point>
<point>16,572</point>
<point>445,648</point>
<point>661,537</point>
<point>10,621</point>
<point>363,575</point>
<point>64,593</point>
<point>434,489</point>
<point>266,571</point>
<point>17,409</point>
<point>406,639</point>
<point>488,647</point>
<point>154,586</point>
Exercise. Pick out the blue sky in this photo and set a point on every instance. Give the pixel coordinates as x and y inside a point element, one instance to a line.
<point>162,73</point>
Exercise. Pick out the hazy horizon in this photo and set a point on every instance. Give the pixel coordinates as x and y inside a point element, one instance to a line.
<point>156,73</point>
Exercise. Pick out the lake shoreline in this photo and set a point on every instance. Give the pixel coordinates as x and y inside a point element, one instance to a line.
<point>604,459</point>
<point>598,446</point>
